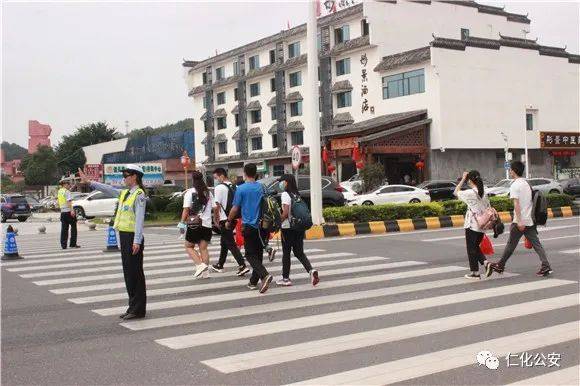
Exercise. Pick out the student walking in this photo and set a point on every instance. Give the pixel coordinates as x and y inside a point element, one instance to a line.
<point>224,197</point>
<point>522,224</point>
<point>196,218</point>
<point>248,200</point>
<point>477,202</point>
<point>68,216</point>
<point>129,221</point>
<point>292,238</point>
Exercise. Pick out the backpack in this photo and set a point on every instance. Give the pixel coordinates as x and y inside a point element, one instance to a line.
<point>539,207</point>
<point>194,220</point>
<point>270,215</point>
<point>300,218</point>
<point>230,200</point>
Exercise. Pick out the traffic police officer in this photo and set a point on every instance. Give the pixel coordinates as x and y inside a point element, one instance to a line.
<point>67,214</point>
<point>129,221</point>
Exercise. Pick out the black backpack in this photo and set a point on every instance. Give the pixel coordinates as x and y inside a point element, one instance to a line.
<point>194,220</point>
<point>231,193</point>
<point>539,207</point>
<point>270,214</point>
<point>300,218</point>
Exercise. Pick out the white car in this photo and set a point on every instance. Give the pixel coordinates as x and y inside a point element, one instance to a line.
<point>354,180</point>
<point>348,193</point>
<point>393,194</point>
<point>96,204</point>
<point>502,188</point>
<point>546,185</point>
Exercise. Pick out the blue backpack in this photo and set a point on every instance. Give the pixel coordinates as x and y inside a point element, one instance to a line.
<point>300,218</point>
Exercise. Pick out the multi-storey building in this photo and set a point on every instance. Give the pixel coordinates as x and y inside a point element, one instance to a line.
<point>406,81</point>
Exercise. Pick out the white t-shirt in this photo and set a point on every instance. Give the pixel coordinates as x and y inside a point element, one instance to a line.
<point>475,204</point>
<point>221,198</point>
<point>286,200</point>
<point>206,214</point>
<point>521,190</point>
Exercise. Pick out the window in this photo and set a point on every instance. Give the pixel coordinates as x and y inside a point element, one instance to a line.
<point>223,148</point>
<point>255,116</point>
<point>341,34</point>
<point>257,143</point>
<point>205,126</point>
<point>303,183</point>
<point>407,83</point>
<point>219,73</point>
<point>237,119</point>
<point>293,50</point>
<point>221,123</point>
<point>297,138</point>
<point>295,79</point>
<point>529,121</point>
<point>221,98</point>
<point>318,73</point>
<point>365,27</point>
<point>254,89</point>
<point>236,66</point>
<point>296,109</point>
<point>254,62</point>
<point>278,170</point>
<point>238,145</point>
<point>273,84</point>
<point>343,99</point>
<point>204,78</point>
<point>343,67</point>
<point>273,111</point>
<point>274,140</point>
<point>205,102</point>
<point>464,33</point>
<point>272,56</point>
<point>236,94</point>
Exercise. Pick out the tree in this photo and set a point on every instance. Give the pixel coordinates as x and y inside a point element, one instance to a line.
<point>69,152</point>
<point>40,168</point>
<point>373,176</point>
<point>185,124</point>
<point>13,151</point>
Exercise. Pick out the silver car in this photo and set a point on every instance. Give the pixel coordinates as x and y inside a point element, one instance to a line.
<point>546,185</point>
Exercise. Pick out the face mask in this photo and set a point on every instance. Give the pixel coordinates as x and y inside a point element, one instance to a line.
<point>282,185</point>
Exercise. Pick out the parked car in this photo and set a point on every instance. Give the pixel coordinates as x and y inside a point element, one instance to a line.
<point>545,185</point>
<point>95,204</point>
<point>439,189</point>
<point>356,179</point>
<point>15,206</point>
<point>502,188</point>
<point>571,186</point>
<point>349,193</point>
<point>393,194</point>
<point>331,190</point>
<point>35,205</point>
<point>49,202</point>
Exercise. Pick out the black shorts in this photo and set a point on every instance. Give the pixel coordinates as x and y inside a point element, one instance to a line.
<point>194,236</point>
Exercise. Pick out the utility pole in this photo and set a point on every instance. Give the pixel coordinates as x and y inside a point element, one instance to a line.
<point>312,115</point>
<point>505,150</point>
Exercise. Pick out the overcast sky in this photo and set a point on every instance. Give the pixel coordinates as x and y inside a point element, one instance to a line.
<point>67,64</point>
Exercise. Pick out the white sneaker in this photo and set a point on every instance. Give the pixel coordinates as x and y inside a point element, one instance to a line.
<point>284,282</point>
<point>199,270</point>
<point>205,275</point>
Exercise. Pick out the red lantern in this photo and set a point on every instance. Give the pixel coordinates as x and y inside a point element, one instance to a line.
<point>356,153</point>
<point>324,155</point>
<point>331,168</point>
<point>420,165</point>
<point>360,165</point>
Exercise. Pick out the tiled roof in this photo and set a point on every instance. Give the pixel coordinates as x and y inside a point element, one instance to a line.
<point>390,62</point>
<point>199,89</point>
<point>236,135</point>
<point>492,10</point>
<point>294,97</point>
<point>272,102</point>
<point>254,132</point>
<point>394,130</point>
<point>342,119</point>
<point>273,129</point>
<point>294,126</point>
<point>254,105</point>
<point>220,113</point>
<point>350,45</point>
<point>383,120</point>
<point>236,109</point>
<point>340,86</point>
<point>220,138</point>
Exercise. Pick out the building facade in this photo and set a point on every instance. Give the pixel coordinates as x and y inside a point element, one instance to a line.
<point>437,92</point>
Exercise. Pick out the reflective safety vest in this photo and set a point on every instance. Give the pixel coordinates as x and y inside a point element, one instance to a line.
<point>61,195</point>
<point>125,216</point>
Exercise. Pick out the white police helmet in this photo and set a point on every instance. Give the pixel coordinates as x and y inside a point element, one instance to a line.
<point>133,169</point>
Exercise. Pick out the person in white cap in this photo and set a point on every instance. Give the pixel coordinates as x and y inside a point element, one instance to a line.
<point>129,221</point>
<point>68,216</point>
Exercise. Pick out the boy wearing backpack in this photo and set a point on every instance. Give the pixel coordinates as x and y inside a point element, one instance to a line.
<point>296,220</point>
<point>248,201</point>
<point>224,197</point>
<point>529,211</point>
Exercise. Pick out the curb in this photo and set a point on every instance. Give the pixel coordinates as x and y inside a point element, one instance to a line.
<point>408,225</point>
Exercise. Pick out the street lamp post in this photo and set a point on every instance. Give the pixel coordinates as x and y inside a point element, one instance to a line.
<point>185,163</point>
<point>505,150</point>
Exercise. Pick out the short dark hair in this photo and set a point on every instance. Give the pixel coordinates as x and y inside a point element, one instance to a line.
<point>518,167</point>
<point>250,170</point>
<point>220,172</point>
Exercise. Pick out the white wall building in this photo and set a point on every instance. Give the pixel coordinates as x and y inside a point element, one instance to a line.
<point>406,81</point>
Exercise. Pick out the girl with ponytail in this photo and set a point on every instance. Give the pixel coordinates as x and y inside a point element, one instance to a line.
<point>477,202</point>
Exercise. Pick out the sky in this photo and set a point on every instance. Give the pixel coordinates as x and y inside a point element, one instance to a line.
<point>71,63</point>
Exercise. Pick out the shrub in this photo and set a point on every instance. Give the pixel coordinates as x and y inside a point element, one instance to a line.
<point>381,212</point>
<point>559,200</point>
<point>175,207</point>
<point>159,203</point>
<point>372,175</point>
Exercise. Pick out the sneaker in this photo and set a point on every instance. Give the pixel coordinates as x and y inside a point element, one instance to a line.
<point>217,268</point>
<point>497,267</point>
<point>284,282</point>
<point>199,270</point>
<point>544,271</point>
<point>205,275</point>
<point>242,270</point>
<point>271,254</point>
<point>488,269</point>
<point>252,286</point>
<point>472,276</point>
<point>314,277</point>
<point>266,283</point>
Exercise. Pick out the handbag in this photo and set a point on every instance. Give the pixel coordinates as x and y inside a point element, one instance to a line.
<point>527,244</point>
<point>194,220</point>
<point>486,246</point>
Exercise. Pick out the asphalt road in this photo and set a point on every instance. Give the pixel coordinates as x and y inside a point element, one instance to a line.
<point>391,308</point>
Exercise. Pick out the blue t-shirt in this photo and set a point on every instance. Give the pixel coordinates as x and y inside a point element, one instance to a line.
<point>249,197</point>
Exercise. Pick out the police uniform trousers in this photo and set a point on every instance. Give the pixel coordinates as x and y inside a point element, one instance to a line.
<point>134,275</point>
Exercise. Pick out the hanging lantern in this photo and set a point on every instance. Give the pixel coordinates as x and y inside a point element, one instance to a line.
<point>324,155</point>
<point>331,168</point>
<point>360,165</point>
<point>420,165</point>
<point>356,153</point>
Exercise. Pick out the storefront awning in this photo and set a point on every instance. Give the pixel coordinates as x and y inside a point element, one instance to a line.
<point>379,123</point>
<point>395,130</point>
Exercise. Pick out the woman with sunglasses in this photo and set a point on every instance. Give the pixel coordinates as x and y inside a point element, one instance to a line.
<point>129,220</point>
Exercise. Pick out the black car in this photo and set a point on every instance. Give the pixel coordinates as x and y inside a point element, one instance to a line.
<point>440,189</point>
<point>331,190</point>
<point>15,206</point>
<point>571,186</point>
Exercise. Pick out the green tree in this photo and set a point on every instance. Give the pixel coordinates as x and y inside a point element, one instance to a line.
<point>69,153</point>
<point>185,124</point>
<point>372,175</point>
<point>40,168</point>
<point>13,151</point>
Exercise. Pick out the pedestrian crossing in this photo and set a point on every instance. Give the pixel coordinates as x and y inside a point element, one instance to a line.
<point>364,303</point>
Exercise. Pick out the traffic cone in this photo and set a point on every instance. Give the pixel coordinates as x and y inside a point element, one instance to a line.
<point>111,240</point>
<point>10,247</point>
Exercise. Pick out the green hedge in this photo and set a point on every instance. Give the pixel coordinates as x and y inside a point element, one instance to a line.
<point>402,211</point>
